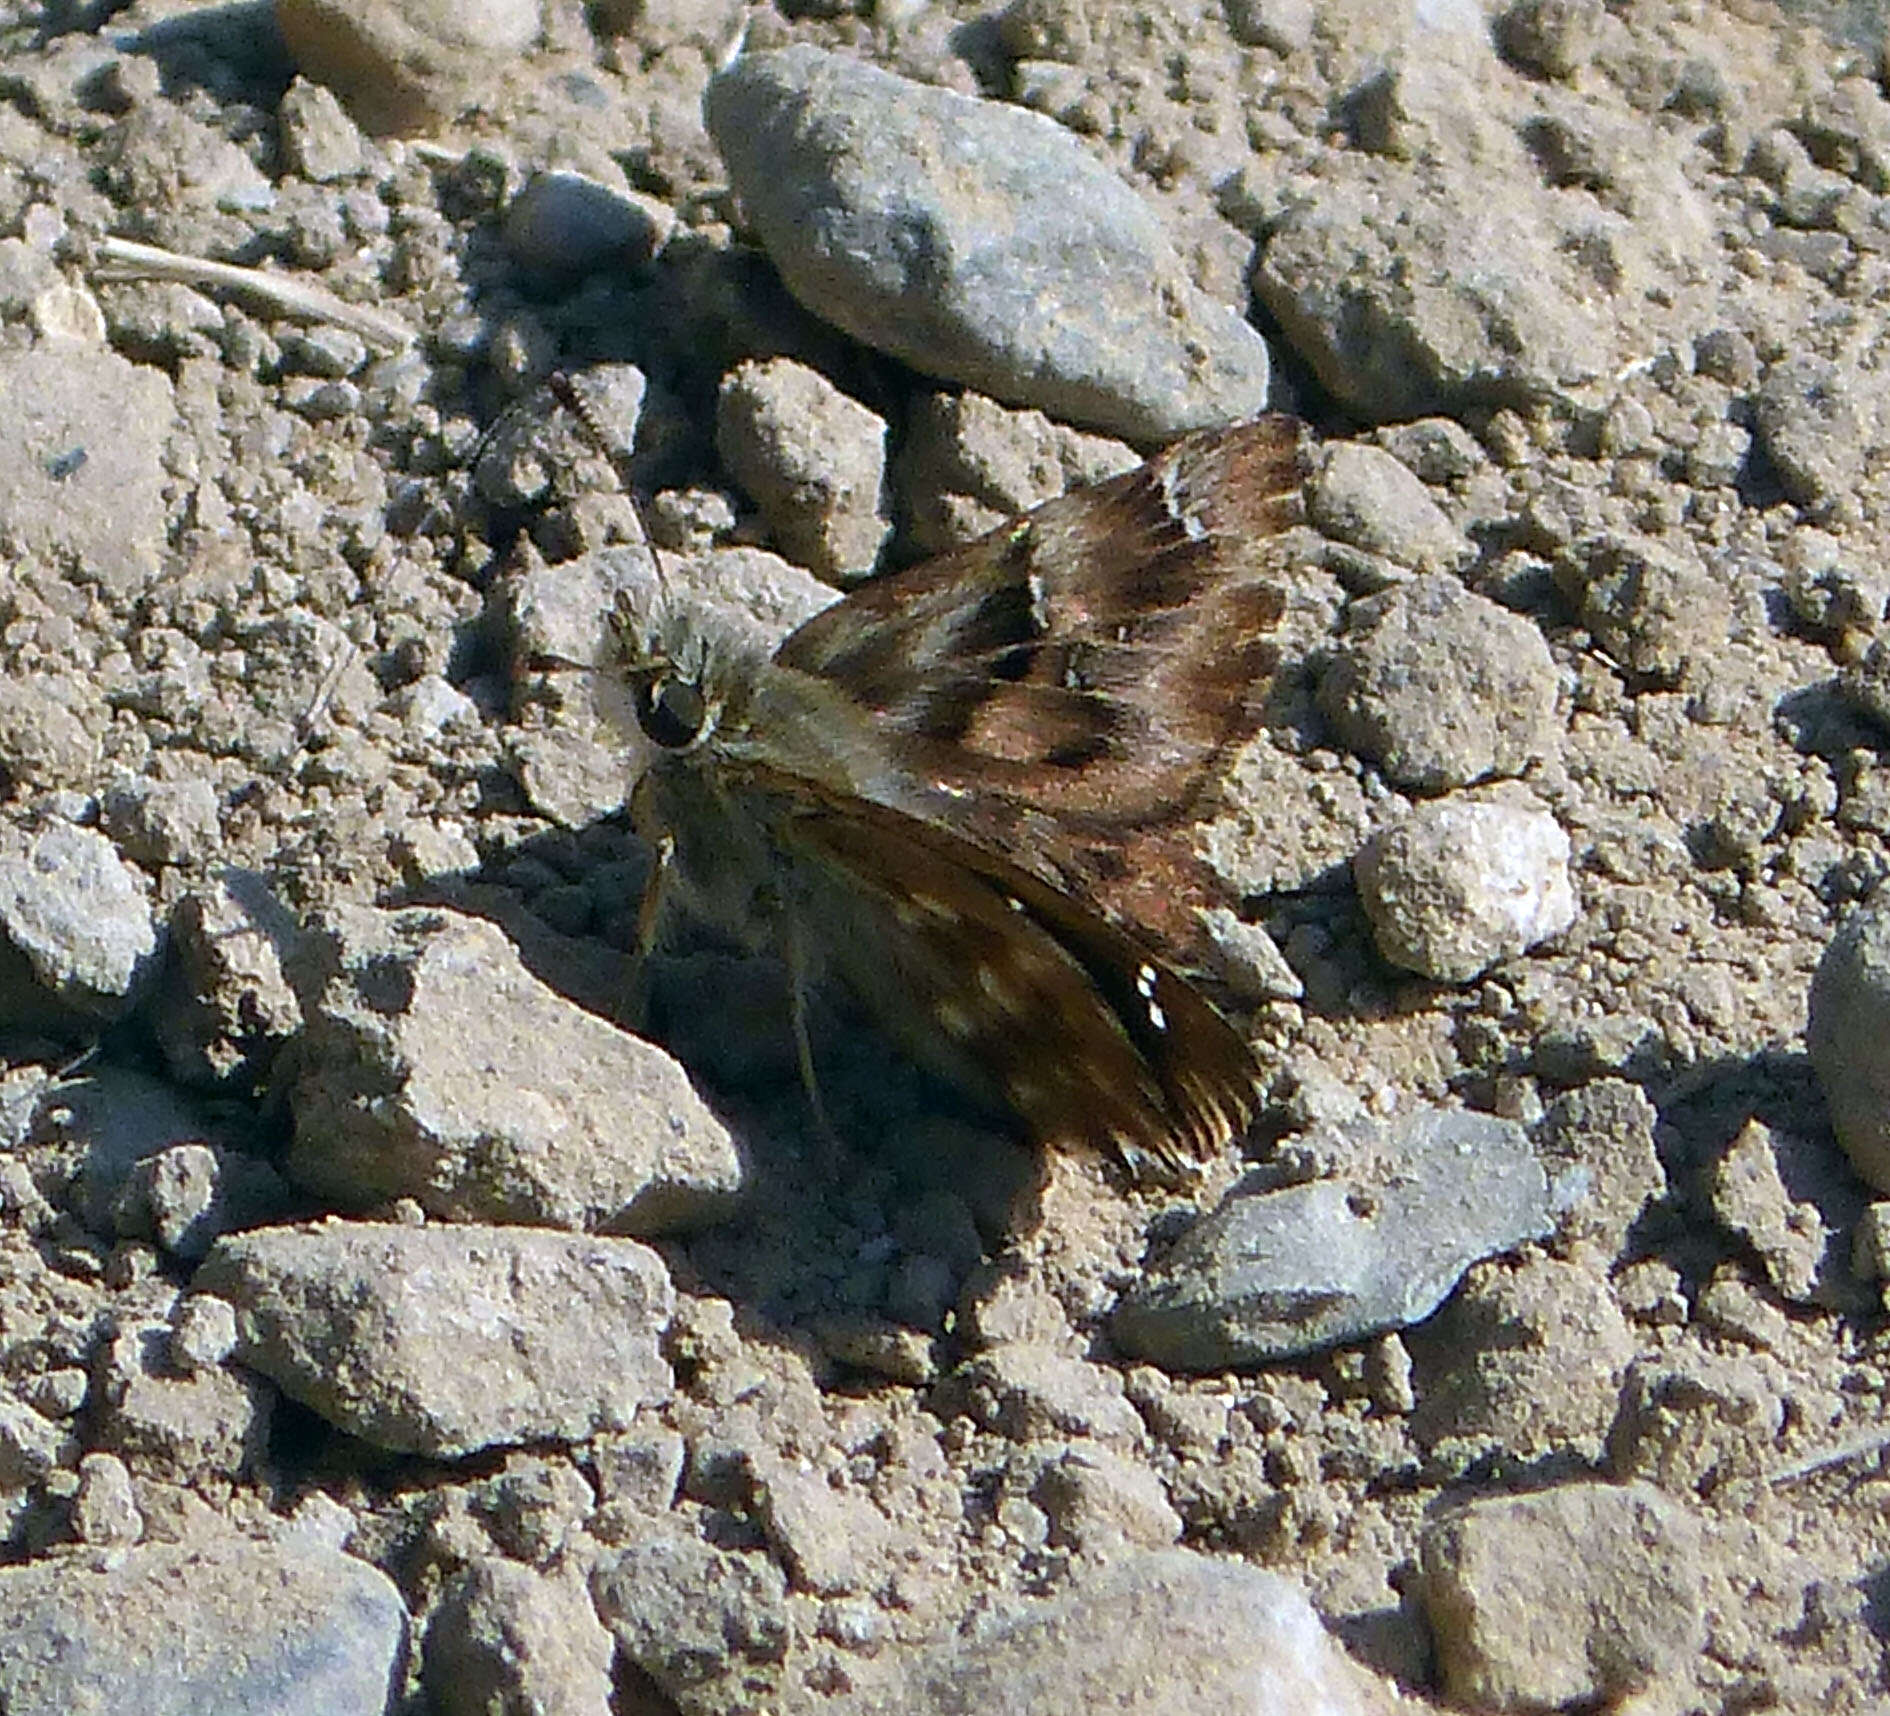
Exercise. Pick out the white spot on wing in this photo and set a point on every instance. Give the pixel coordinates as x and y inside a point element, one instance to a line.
<point>1146,978</point>
<point>1039,602</point>
<point>954,1021</point>
<point>1175,504</point>
<point>1001,994</point>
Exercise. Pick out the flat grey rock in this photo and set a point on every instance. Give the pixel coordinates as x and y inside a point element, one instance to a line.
<point>979,243</point>
<point>445,1340</point>
<point>1278,1274</point>
<point>81,465</point>
<point>236,1629</point>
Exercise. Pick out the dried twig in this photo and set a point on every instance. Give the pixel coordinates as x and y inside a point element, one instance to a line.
<point>1871,1444</point>
<point>279,294</point>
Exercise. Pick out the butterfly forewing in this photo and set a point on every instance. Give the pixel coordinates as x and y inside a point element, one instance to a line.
<point>1065,690</point>
<point>1101,649</point>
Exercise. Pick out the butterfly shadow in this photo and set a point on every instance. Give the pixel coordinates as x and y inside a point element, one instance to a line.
<point>873,1205</point>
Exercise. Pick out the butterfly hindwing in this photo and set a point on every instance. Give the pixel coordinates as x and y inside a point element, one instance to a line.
<point>1063,1016</point>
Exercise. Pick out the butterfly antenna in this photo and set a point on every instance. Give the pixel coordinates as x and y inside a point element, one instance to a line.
<point>656,554</point>
<point>564,388</point>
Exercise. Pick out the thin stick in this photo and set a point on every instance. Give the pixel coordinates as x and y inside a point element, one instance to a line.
<point>1872,1442</point>
<point>279,294</point>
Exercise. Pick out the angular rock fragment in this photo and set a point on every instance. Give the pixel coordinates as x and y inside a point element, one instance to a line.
<point>1578,1595</point>
<point>444,1340</point>
<point>1274,1274</point>
<point>1164,1632</point>
<point>196,1629</point>
<point>77,938</point>
<point>435,1067</point>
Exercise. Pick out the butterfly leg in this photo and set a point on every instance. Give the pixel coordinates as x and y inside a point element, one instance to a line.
<point>794,952</point>
<point>649,921</point>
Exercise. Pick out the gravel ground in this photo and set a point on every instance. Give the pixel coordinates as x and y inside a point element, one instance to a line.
<point>384,1325</point>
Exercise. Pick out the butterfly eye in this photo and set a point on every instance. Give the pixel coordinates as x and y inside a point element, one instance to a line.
<point>671,711</point>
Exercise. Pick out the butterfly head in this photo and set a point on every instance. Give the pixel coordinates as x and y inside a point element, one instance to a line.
<point>683,665</point>
<point>671,708</point>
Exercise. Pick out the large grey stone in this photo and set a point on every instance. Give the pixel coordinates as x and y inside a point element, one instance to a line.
<point>1171,1632</point>
<point>436,1067</point>
<point>978,243</point>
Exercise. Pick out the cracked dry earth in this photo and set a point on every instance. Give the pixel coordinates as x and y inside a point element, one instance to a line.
<point>385,1326</point>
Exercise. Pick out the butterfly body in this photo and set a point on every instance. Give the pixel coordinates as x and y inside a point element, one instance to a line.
<point>968,789</point>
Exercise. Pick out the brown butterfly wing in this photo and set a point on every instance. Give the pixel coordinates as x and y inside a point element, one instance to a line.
<point>1068,687</point>
<point>1006,985</point>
